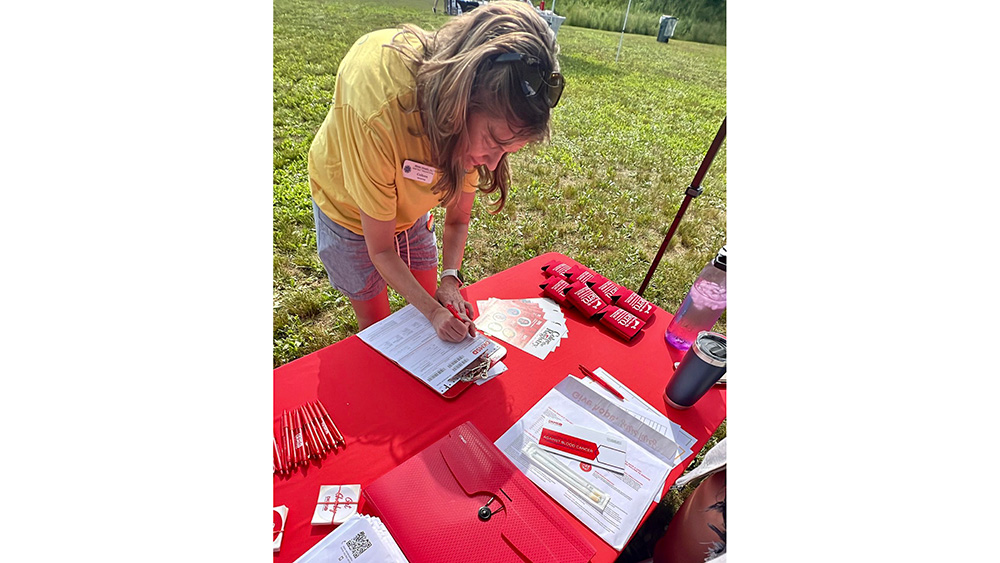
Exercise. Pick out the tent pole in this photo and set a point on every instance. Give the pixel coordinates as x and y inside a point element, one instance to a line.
<point>623,30</point>
<point>693,191</point>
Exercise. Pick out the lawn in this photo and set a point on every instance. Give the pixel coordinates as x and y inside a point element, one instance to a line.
<point>627,139</point>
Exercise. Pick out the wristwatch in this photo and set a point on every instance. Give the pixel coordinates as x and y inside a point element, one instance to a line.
<point>453,273</point>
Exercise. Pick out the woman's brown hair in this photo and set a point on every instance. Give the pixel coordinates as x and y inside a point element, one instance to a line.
<point>456,77</point>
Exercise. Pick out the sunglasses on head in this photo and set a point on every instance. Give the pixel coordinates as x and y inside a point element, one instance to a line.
<point>533,81</point>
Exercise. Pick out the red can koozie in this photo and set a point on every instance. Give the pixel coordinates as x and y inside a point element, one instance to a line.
<point>608,290</point>
<point>635,304</point>
<point>580,274</point>
<point>555,267</point>
<point>584,299</point>
<point>597,280</point>
<point>556,287</point>
<point>621,322</point>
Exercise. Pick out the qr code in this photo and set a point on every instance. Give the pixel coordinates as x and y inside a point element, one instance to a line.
<point>358,544</point>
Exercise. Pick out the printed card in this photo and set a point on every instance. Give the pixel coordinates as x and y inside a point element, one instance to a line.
<point>336,503</point>
<point>536,326</point>
<point>600,449</point>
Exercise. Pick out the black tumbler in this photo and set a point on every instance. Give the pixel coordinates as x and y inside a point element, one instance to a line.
<point>700,368</point>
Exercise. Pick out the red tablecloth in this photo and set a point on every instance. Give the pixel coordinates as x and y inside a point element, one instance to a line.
<point>386,415</point>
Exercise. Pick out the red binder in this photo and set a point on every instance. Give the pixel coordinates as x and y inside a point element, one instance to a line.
<point>462,500</point>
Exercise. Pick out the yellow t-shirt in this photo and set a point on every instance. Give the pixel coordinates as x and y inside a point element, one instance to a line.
<point>356,159</point>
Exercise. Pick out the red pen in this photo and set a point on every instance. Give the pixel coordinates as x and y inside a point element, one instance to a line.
<point>314,431</point>
<point>601,382</point>
<point>324,431</point>
<point>296,437</point>
<point>277,458</point>
<point>329,419</point>
<point>300,437</point>
<point>307,444</point>
<point>317,445</point>
<point>286,426</point>
<point>454,312</point>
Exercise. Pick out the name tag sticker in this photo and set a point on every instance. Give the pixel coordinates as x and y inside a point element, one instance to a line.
<point>419,172</point>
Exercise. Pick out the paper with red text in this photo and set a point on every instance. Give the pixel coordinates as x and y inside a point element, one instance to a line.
<point>600,449</point>
<point>650,457</point>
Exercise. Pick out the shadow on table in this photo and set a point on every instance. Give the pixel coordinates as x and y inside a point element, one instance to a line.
<point>387,415</point>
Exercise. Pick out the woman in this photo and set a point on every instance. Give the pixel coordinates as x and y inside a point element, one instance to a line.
<point>419,120</point>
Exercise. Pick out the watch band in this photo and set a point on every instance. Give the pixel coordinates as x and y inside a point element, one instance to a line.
<point>454,273</point>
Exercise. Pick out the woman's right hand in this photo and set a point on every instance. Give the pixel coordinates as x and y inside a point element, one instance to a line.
<point>447,327</point>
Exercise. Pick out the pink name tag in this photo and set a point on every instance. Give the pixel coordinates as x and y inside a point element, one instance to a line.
<point>419,172</point>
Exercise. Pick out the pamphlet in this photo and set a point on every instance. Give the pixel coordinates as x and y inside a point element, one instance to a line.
<point>535,325</point>
<point>361,539</point>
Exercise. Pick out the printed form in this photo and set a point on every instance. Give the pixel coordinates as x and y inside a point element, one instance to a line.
<point>408,339</point>
<point>650,457</point>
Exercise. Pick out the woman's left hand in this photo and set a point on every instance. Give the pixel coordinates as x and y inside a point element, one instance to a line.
<point>448,294</point>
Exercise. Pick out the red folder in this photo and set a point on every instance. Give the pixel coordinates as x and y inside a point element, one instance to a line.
<point>462,500</point>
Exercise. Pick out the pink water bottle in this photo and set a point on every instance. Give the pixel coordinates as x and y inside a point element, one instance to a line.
<point>702,306</point>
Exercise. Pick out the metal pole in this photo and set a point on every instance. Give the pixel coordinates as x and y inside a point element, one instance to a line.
<point>623,31</point>
<point>693,191</point>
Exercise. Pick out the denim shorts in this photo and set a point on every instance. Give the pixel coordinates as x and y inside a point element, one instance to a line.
<point>345,255</point>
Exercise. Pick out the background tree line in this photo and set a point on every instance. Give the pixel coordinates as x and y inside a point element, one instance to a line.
<point>703,21</point>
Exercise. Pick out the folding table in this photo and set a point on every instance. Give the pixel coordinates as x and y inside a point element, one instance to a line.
<point>386,415</point>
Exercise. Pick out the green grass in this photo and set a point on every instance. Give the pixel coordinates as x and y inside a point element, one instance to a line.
<point>627,139</point>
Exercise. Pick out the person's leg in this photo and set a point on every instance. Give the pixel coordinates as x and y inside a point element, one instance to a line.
<point>428,279</point>
<point>698,530</point>
<point>345,257</point>
<point>371,311</point>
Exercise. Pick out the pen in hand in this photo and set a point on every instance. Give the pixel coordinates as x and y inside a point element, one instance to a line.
<point>454,312</point>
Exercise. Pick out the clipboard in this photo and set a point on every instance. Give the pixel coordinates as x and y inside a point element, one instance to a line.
<point>462,500</point>
<point>408,340</point>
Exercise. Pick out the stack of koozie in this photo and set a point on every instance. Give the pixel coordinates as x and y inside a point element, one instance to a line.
<point>619,308</point>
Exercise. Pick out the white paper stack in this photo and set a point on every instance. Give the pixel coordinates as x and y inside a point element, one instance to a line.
<point>535,325</point>
<point>360,538</point>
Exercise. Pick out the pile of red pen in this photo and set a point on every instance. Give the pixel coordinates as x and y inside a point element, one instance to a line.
<point>307,433</point>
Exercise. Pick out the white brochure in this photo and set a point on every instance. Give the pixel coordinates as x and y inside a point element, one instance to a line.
<point>651,456</point>
<point>360,539</point>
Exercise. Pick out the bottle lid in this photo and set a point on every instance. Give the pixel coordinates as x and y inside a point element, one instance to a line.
<point>711,348</point>
<point>720,259</point>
